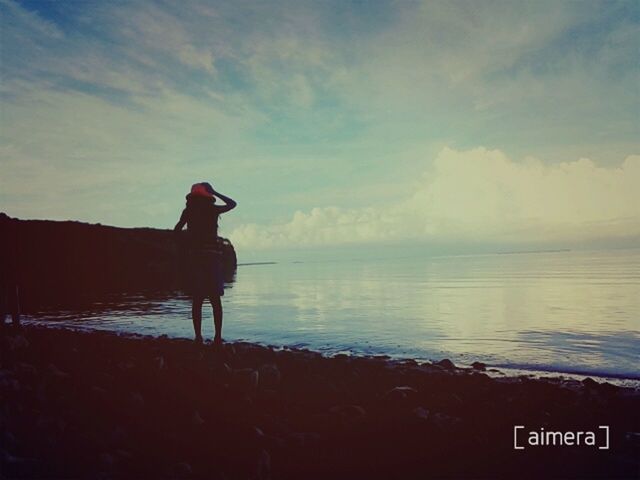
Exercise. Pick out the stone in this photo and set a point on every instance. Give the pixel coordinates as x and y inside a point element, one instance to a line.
<point>55,372</point>
<point>479,366</point>
<point>400,393</point>
<point>125,454</point>
<point>17,342</point>
<point>269,376</point>
<point>159,362</point>
<point>26,370</point>
<point>107,460</point>
<point>196,418</point>
<point>445,422</point>
<point>349,412</point>
<point>445,401</point>
<point>263,466</point>
<point>181,470</point>
<point>125,365</point>
<point>99,391</point>
<point>303,439</point>
<point>421,413</point>
<point>446,364</point>
<point>245,379</point>
<point>136,400</point>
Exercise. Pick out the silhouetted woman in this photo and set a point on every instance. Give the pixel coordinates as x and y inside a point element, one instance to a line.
<point>204,259</point>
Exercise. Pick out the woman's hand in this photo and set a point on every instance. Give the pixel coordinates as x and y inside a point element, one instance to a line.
<point>230,203</point>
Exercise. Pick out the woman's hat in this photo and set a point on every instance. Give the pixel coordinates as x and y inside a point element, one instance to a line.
<point>202,189</point>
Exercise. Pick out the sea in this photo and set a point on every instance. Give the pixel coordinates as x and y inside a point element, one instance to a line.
<point>560,312</point>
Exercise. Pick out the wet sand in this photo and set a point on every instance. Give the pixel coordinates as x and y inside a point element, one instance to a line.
<point>99,405</point>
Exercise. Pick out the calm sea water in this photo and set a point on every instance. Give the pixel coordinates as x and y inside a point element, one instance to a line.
<point>565,311</point>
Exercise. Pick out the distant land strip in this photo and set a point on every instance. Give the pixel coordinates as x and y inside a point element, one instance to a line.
<point>534,251</point>
<point>256,263</point>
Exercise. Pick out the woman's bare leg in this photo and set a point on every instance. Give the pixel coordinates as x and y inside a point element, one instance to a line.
<point>196,313</point>
<point>216,304</point>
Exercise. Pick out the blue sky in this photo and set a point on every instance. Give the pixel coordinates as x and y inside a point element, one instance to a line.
<point>329,122</point>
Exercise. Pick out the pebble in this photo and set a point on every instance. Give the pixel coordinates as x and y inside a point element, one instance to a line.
<point>421,413</point>
<point>269,376</point>
<point>137,400</point>
<point>350,412</point>
<point>181,470</point>
<point>159,362</point>
<point>479,366</point>
<point>55,372</point>
<point>245,379</point>
<point>17,342</point>
<point>446,363</point>
<point>197,419</point>
<point>400,393</point>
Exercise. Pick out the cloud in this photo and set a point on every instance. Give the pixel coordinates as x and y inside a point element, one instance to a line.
<point>27,22</point>
<point>478,195</point>
<point>160,31</point>
<point>284,104</point>
<point>543,78</point>
<point>90,159</point>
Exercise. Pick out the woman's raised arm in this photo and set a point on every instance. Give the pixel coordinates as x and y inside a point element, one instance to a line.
<point>229,203</point>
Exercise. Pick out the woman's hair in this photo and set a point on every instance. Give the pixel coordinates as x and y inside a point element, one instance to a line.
<point>198,201</point>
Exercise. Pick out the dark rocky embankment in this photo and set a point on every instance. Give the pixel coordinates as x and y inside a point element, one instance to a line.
<point>56,260</point>
<point>98,405</point>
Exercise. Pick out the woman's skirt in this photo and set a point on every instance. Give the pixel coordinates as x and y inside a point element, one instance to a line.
<point>205,276</point>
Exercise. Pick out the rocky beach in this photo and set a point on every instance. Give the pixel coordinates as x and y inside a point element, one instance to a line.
<point>102,405</point>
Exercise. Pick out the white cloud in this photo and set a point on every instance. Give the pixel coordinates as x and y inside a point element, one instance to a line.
<point>157,30</point>
<point>27,22</point>
<point>479,195</point>
<point>191,56</point>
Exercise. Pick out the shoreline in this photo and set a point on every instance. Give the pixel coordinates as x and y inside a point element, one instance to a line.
<point>100,404</point>
<point>507,370</point>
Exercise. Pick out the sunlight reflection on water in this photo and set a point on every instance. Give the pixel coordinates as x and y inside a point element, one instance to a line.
<point>565,311</point>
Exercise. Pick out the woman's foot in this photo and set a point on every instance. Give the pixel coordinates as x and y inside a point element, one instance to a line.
<point>198,339</point>
<point>217,340</point>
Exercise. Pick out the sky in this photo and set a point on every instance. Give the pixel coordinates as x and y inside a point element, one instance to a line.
<point>335,123</point>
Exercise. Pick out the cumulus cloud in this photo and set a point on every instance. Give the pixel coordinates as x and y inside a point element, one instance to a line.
<point>479,195</point>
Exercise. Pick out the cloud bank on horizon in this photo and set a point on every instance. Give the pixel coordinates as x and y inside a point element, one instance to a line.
<point>331,122</point>
<point>480,196</point>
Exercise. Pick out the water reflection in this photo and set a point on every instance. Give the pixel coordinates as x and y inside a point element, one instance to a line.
<point>571,311</point>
